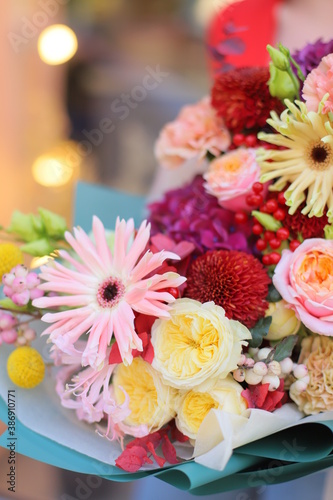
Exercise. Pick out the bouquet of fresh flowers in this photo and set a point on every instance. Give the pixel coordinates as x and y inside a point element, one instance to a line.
<point>210,326</point>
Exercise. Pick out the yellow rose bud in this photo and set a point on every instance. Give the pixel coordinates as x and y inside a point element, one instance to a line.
<point>197,344</point>
<point>150,400</point>
<point>284,321</point>
<point>195,405</point>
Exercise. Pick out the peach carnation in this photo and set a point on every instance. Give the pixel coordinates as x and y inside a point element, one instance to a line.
<point>319,83</point>
<point>304,279</point>
<point>317,355</point>
<point>196,131</point>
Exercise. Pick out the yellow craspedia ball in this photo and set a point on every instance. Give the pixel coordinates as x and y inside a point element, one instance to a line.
<point>25,367</point>
<point>10,256</point>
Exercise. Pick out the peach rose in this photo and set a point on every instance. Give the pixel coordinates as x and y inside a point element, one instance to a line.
<point>317,84</point>
<point>196,131</point>
<point>305,280</point>
<point>230,178</point>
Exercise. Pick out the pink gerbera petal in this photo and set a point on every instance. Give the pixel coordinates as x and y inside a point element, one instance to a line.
<point>102,289</point>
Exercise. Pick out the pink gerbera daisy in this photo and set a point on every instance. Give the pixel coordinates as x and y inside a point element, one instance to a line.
<point>102,290</point>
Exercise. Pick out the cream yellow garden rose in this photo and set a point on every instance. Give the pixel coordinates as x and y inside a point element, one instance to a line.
<point>150,400</point>
<point>193,406</point>
<point>197,344</point>
<point>284,321</point>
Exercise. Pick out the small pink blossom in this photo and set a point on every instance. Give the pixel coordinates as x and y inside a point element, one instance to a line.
<point>230,178</point>
<point>8,334</point>
<point>20,285</point>
<point>319,83</point>
<point>304,278</point>
<point>7,321</point>
<point>196,131</point>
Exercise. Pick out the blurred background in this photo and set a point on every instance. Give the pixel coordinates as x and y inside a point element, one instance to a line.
<point>86,100</point>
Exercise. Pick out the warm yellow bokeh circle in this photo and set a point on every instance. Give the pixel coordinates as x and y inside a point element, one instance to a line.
<point>57,44</point>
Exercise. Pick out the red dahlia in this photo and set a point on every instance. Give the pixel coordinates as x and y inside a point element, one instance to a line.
<point>234,280</point>
<point>305,226</point>
<point>241,97</point>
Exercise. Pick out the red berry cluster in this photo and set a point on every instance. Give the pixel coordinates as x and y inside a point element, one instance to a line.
<point>254,200</point>
<point>274,206</point>
<point>249,140</point>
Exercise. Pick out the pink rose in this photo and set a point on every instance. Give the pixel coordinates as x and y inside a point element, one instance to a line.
<point>196,131</point>
<point>230,178</point>
<point>318,83</point>
<point>305,280</point>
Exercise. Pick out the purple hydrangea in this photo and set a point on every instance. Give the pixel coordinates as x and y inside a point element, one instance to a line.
<point>310,56</point>
<point>191,214</point>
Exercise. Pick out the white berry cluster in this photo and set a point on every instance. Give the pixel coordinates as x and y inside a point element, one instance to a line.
<point>253,369</point>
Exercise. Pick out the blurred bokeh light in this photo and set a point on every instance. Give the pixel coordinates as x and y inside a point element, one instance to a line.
<point>57,44</point>
<point>58,166</point>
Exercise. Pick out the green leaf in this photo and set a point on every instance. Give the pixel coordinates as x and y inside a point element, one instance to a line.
<point>22,226</point>
<point>259,331</point>
<point>273,294</point>
<point>38,224</point>
<point>39,248</point>
<point>267,221</point>
<point>7,303</point>
<point>54,225</point>
<point>283,349</point>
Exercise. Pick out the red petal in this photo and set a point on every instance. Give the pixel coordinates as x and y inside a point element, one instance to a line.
<point>247,395</point>
<point>132,459</point>
<point>169,451</point>
<point>259,393</point>
<point>115,357</point>
<point>148,353</point>
<point>155,438</point>
<point>159,460</point>
<point>178,436</point>
<point>272,400</point>
<point>143,323</point>
<point>145,338</point>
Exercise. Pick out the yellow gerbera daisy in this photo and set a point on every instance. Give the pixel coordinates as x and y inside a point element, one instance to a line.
<point>307,161</point>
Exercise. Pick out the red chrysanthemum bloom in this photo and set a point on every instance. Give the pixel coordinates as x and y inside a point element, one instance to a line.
<point>307,227</point>
<point>234,280</point>
<point>241,97</point>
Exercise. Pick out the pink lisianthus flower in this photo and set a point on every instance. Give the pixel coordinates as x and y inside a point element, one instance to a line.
<point>196,131</point>
<point>230,178</point>
<point>20,285</point>
<point>102,290</point>
<point>89,392</point>
<point>317,84</point>
<point>304,278</point>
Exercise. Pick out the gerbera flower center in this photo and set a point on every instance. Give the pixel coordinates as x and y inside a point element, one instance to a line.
<point>320,156</point>
<point>110,292</point>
